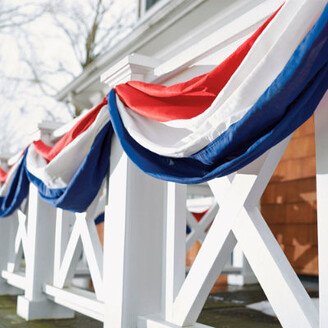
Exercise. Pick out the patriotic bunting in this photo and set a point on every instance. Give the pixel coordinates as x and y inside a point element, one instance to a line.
<point>194,131</point>
<point>67,175</point>
<point>283,106</point>
<point>14,188</point>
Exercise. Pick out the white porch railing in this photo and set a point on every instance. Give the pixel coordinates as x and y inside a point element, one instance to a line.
<point>237,268</point>
<point>145,245</point>
<point>69,246</point>
<point>139,274</point>
<point>11,253</point>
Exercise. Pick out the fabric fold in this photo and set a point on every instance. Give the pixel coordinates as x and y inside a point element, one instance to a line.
<point>261,66</point>
<point>207,127</point>
<point>14,189</point>
<point>283,107</point>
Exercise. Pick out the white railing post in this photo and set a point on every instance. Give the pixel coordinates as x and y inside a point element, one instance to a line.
<point>321,139</point>
<point>133,241</point>
<point>133,237</point>
<point>39,257</point>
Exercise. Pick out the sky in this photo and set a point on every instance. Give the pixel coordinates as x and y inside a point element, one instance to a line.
<point>23,104</point>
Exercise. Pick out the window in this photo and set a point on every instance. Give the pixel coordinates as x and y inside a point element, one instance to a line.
<point>146,5</point>
<point>150,3</point>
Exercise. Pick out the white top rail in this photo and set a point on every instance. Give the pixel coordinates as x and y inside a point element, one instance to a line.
<point>237,28</point>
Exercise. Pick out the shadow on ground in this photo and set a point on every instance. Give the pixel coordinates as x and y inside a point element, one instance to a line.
<point>226,309</point>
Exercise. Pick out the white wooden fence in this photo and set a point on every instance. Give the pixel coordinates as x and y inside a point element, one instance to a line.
<point>139,275</point>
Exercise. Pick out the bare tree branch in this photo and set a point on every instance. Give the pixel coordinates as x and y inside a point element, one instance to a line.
<point>19,15</point>
<point>84,30</point>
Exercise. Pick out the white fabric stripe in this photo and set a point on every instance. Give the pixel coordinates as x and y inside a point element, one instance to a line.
<point>5,186</point>
<point>59,172</point>
<point>261,66</point>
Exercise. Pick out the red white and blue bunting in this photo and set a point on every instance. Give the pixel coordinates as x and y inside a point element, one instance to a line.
<point>194,131</point>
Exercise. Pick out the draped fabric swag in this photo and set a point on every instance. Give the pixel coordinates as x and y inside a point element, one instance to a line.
<point>207,127</point>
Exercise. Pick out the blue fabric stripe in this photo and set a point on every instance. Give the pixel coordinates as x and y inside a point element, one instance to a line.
<point>100,218</point>
<point>18,191</point>
<point>87,180</point>
<point>285,105</point>
<point>82,188</point>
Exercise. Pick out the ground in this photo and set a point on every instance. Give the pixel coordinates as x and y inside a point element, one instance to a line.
<point>226,309</point>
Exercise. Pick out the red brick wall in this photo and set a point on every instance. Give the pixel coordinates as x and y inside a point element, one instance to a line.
<point>289,202</point>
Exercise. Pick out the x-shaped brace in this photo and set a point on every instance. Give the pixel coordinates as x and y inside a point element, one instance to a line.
<point>239,219</point>
<point>20,244</point>
<point>69,247</point>
<point>199,229</point>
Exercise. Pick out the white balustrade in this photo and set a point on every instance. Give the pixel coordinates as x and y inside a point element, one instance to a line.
<point>39,254</point>
<point>27,260</point>
<point>13,236</point>
<point>69,245</point>
<point>237,269</point>
<point>139,274</point>
<point>14,271</point>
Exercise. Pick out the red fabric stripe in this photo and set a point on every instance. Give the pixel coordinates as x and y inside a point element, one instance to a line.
<point>188,99</point>
<point>3,175</point>
<point>199,216</point>
<point>49,153</point>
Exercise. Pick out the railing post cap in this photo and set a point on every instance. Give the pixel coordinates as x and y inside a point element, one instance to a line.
<point>132,67</point>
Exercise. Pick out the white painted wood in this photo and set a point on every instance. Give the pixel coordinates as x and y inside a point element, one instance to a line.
<point>65,271</point>
<point>93,252</point>
<point>14,262</point>
<point>17,235</point>
<point>199,203</point>
<point>79,300</point>
<point>285,292</point>
<point>157,322</point>
<point>16,279</point>
<point>214,252</point>
<point>76,232</point>
<point>39,262</point>
<point>133,225</point>
<point>220,240</point>
<point>175,245</point>
<point>238,197</point>
<point>69,247</point>
<point>242,197</point>
<point>17,245</point>
<point>244,275</point>
<point>231,193</point>
<point>237,269</point>
<point>8,228</point>
<point>321,139</point>
<point>199,190</point>
<point>198,229</point>
<point>218,39</point>
<point>64,220</point>
<point>132,67</point>
<point>132,244</point>
<point>21,237</point>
